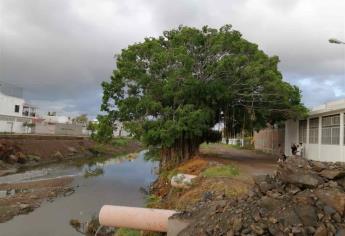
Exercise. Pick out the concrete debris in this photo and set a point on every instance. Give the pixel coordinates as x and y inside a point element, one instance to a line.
<point>303,198</point>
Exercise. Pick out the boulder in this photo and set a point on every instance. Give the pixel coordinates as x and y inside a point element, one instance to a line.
<point>307,214</point>
<point>72,149</point>
<point>58,155</point>
<point>332,198</point>
<point>22,158</point>
<point>321,231</point>
<point>34,158</point>
<point>332,173</point>
<point>12,159</point>
<point>300,177</point>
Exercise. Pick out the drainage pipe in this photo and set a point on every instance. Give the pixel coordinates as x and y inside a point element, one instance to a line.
<point>135,218</point>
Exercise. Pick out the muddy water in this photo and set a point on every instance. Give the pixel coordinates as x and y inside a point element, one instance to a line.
<point>115,181</point>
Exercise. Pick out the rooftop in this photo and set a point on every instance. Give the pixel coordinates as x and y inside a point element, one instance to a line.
<point>328,107</point>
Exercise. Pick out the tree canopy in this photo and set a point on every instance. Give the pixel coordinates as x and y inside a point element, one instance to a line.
<point>171,90</point>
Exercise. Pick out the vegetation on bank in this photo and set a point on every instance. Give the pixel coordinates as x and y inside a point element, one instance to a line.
<point>127,232</point>
<point>221,171</point>
<point>170,91</point>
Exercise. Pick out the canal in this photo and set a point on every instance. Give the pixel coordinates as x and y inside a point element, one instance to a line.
<point>116,181</point>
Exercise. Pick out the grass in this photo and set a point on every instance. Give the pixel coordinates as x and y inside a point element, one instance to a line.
<point>221,171</point>
<point>120,141</point>
<point>127,232</point>
<point>152,200</point>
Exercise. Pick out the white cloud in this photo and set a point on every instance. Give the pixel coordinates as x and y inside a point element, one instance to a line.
<point>60,51</point>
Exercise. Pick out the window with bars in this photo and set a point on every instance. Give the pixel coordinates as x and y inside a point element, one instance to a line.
<point>314,130</point>
<point>330,130</point>
<point>302,131</point>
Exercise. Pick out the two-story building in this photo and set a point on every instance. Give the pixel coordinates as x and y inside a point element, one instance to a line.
<point>16,115</point>
<point>322,133</point>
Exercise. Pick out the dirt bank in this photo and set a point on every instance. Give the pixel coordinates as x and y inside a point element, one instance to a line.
<point>22,198</point>
<point>20,151</point>
<point>214,157</point>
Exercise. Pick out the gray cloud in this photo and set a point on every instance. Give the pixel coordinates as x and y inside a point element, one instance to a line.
<point>60,51</point>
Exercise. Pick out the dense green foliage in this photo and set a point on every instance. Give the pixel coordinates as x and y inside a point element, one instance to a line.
<point>102,131</point>
<point>170,91</point>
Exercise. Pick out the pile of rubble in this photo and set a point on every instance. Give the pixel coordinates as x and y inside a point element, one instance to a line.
<point>302,198</point>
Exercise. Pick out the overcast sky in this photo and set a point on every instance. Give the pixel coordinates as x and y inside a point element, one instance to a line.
<point>59,51</point>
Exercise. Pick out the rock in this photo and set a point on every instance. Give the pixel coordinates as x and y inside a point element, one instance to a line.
<point>270,203</point>
<point>237,224</point>
<point>332,173</point>
<point>289,217</point>
<point>24,206</point>
<point>12,159</point>
<point>340,232</point>
<point>58,155</point>
<point>34,158</point>
<point>72,149</point>
<point>302,177</point>
<point>230,233</point>
<point>264,187</point>
<point>318,166</point>
<point>307,214</point>
<point>257,229</point>
<point>321,231</point>
<point>332,198</point>
<point>22,158</point>
<point>331,228</point>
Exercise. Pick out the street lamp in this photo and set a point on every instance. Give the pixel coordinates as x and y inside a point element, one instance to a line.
<point>336,41</point>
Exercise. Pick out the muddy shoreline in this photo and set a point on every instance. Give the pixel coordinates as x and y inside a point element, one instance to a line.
<point>24,196</point>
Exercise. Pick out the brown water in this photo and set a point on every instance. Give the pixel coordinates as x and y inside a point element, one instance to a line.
<point>116,181</point>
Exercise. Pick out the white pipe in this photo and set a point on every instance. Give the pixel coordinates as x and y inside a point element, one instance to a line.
<point>135,218</point>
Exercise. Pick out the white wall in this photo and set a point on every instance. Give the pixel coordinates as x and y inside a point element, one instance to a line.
<point>291,135</point>
<point>319,152</point>
<point>7,104</point>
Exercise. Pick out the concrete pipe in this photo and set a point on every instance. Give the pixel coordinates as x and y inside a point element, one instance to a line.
<point>182,180</point>
<point>135,218</point>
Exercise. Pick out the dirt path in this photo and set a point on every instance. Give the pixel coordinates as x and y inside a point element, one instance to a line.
<point>250,162</point>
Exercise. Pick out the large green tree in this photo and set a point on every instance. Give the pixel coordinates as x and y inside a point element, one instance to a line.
<point>171,90</point>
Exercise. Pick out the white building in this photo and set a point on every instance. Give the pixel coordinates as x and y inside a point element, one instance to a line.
<point>14,111</point>
<point>322,133</point>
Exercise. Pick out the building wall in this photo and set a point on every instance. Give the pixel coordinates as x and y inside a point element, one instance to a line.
<point>12,124</point>
<point>318,151</point>
<point>7,105</point>
<point>291,135</point>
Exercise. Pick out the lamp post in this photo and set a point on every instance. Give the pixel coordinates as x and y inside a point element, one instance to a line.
<point>336,41</point>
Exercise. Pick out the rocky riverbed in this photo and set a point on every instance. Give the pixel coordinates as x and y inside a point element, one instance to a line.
<point>302,198</point>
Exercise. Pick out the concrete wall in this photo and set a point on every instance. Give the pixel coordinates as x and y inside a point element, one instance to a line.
<point>59,129</point>
<point>269,139</point>
<point>12,124</point>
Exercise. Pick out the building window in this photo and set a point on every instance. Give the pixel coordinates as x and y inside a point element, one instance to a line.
<point>16,108</point>
<point>314,130</point>
<point>330,130</point>
<point>302,131</point>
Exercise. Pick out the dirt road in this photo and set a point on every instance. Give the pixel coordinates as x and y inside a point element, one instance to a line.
<point>250,162</point>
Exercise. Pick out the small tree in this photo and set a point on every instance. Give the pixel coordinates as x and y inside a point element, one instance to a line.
<point>103,130</point>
